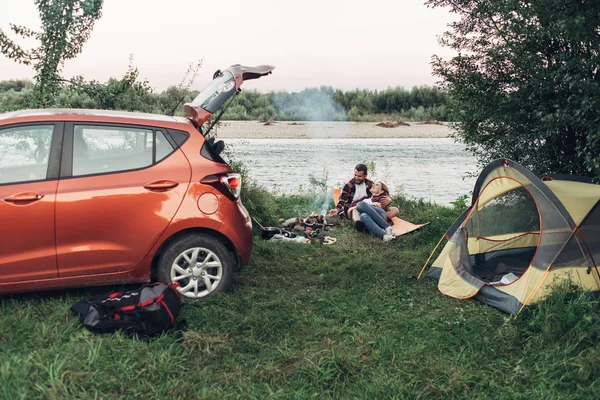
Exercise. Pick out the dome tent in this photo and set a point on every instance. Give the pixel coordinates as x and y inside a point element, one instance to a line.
<point>519,235</point>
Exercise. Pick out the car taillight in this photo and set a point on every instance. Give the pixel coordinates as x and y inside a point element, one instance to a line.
<point>229,184</point>
<point>233,182</point>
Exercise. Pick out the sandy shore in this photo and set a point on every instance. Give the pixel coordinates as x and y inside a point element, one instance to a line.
<point>326,130</point>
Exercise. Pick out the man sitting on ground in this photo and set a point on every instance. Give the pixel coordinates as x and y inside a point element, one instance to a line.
<point>354,191</point>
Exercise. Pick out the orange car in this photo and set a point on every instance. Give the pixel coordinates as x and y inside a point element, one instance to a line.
<point>90,197</point>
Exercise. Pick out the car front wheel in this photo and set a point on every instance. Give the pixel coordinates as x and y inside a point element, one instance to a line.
<point>201,265</point>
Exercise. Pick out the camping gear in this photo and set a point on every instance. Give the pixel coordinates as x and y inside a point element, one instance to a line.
<point>329,240</point>
<point>400,226</point>
<point>270,232</point>
<point>267,232</point>
<point>314,221</point>
<point>288,238</point>
<point>146,311</point>
<point>290,222</point>
<point>521,234</point>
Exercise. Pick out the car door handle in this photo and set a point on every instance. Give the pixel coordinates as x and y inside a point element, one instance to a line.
<point>24,197</point>
<point>161,185</point>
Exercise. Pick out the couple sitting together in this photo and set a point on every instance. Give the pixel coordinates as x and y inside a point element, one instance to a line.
<point>367,205</point>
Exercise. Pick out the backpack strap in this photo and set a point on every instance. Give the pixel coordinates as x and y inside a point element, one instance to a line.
<point>156,299</point>
<point>167,308</point>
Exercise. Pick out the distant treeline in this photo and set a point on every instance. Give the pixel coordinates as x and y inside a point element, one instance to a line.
<point>329,104</point>
<point>113,95</point>
<point>315,104</point>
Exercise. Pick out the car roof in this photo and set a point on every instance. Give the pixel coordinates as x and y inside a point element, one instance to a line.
<point>98,115</point>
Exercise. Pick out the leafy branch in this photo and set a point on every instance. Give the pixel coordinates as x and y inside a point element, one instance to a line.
<point>65,26</point>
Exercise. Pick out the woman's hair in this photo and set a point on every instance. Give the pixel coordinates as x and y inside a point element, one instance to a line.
<point>384,187</point>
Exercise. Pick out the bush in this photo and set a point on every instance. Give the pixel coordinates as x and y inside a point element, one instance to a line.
<point>236,112</point>
<point>259,202</point>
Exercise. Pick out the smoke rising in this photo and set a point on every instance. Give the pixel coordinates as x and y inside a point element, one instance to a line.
<point>315,104</point>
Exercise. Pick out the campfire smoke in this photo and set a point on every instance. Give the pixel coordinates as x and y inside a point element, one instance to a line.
<point>316,104</point>
<point>313,104</point>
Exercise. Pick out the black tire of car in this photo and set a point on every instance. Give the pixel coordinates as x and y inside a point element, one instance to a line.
<point>197,240</point>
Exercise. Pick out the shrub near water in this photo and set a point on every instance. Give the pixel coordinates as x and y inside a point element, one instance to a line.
<point>266,207</point>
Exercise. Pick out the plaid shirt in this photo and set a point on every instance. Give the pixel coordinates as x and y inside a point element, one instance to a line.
<point>347,194</point>
<point>378,199</point>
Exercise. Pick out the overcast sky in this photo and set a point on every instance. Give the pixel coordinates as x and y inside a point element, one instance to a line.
<point>349,44</point>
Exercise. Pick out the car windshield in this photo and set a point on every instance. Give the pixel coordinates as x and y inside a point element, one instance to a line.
<point>216,93</point>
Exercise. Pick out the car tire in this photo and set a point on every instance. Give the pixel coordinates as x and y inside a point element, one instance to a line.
<point>201,264</point>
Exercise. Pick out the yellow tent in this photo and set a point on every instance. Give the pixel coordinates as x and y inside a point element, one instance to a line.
<point>520,234</point>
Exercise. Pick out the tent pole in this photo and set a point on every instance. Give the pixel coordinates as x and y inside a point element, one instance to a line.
<point>534,290</point>
<point>431,255</point>
<point>576,230</point>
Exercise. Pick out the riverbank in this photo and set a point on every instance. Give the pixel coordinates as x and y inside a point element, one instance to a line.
<point>327,130</point>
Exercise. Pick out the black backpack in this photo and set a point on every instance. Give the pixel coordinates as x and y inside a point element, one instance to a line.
<point>146,311</point>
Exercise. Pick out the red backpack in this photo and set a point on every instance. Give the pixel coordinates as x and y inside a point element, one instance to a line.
<point>147,311</point>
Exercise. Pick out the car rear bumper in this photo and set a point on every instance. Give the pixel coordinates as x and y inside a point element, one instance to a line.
<point>239,231</point>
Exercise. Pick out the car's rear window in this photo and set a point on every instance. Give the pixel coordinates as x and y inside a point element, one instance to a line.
<point>179,137</point>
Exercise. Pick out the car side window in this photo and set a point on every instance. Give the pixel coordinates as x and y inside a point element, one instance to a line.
<point>102,149</point>
<point>163,147</point>
<point>24,153</point>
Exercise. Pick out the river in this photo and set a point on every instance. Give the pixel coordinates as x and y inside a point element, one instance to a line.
<point>434,169</point>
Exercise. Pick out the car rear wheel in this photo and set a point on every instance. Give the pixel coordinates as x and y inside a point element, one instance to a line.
<point>201,264</point>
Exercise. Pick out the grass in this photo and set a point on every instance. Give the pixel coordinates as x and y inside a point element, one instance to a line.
<point>312,321</point>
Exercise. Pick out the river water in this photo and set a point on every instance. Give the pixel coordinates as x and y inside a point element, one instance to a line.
<point>433,169</point>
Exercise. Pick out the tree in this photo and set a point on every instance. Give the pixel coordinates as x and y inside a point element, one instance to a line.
<point>525,82</point>
<point>66,26</point>
<point>127,93</point>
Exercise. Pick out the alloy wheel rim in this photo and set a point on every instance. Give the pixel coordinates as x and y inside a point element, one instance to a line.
<point>198,271</point>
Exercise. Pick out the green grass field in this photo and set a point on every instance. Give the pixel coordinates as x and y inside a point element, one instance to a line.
<point>344,321</point>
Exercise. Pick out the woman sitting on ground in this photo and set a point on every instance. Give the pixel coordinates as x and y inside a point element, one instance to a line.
<point>372,212</point>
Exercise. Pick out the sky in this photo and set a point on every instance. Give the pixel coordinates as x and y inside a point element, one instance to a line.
<point>366,44</point>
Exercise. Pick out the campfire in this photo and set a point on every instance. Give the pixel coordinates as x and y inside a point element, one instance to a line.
<point>312,228</point>
<point>316,222</point>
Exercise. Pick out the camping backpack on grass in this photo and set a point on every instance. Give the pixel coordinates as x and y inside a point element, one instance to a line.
<point>146,311</point>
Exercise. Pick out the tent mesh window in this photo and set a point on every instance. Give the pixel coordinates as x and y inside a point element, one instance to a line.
<point>504,234</point>
<point>582,252</point>
<point>590,232</point>
<point>460,259</point>
<point>556,227</point>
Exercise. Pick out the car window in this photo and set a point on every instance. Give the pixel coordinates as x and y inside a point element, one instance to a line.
<point>163,147</point>
<point>100,149</point>
<point>213,96</point>
<point>24,153</point>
